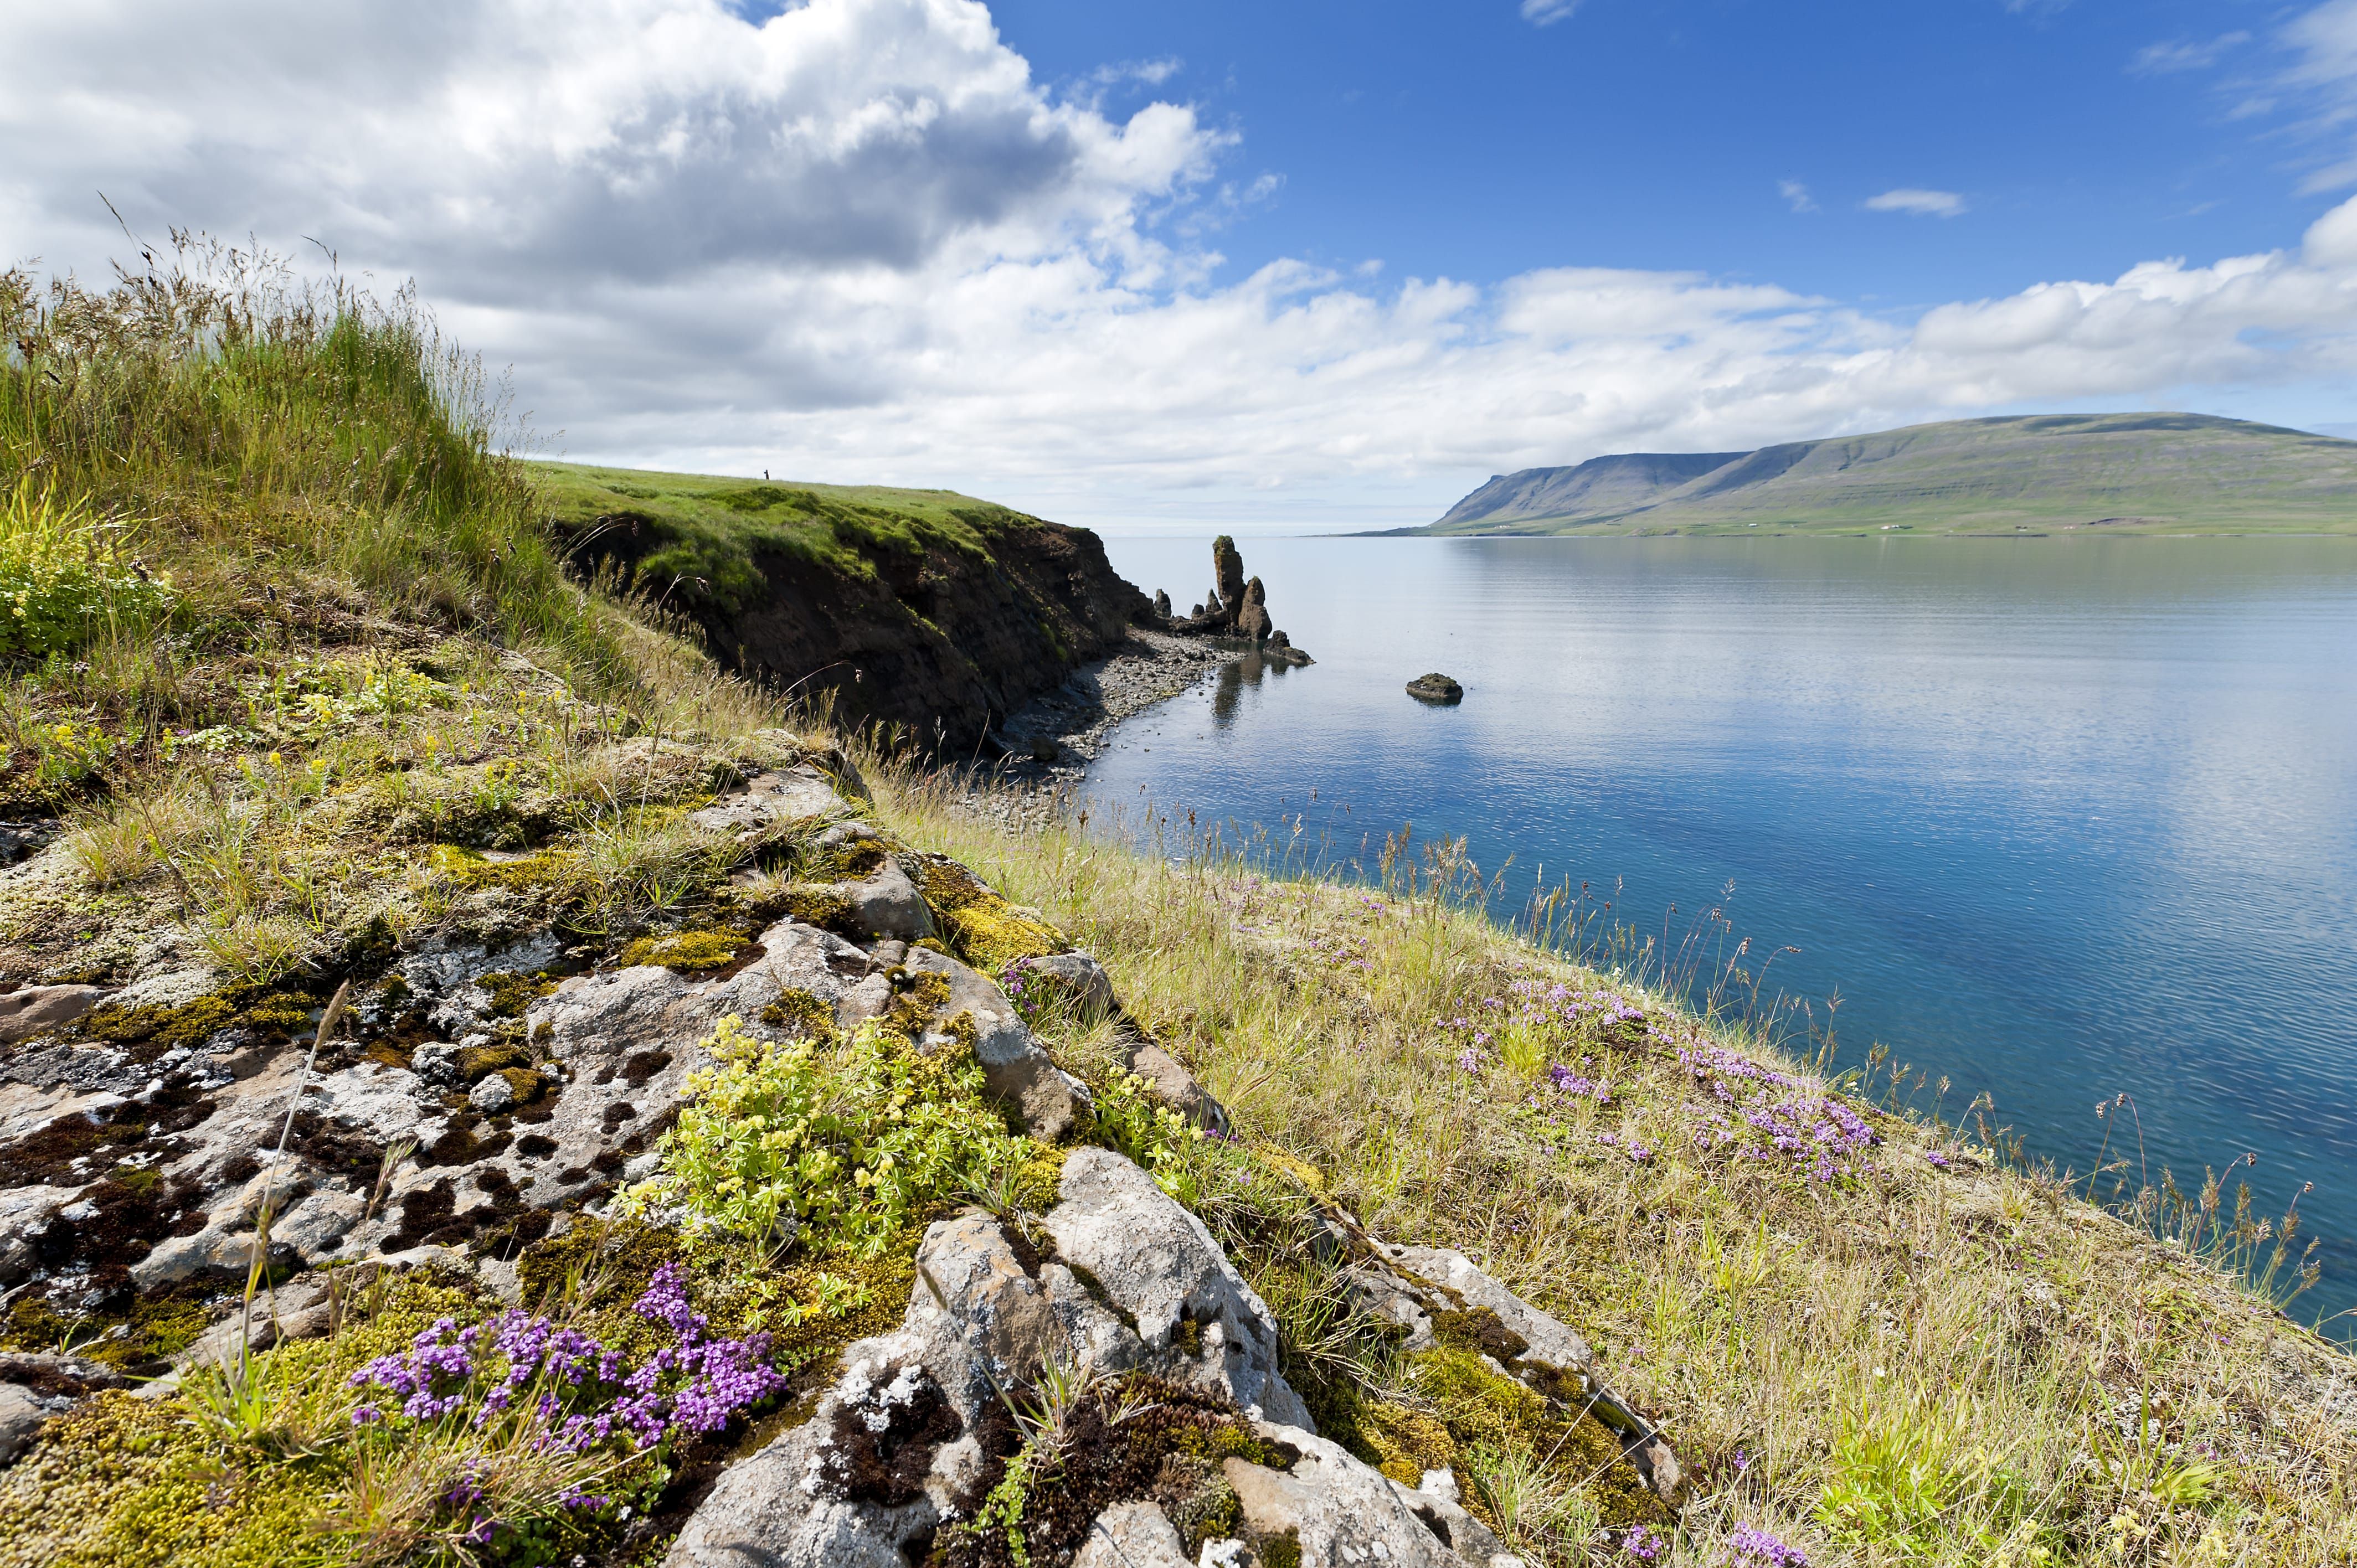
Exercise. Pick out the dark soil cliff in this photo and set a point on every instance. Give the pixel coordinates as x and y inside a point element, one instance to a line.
<point>921,609</point>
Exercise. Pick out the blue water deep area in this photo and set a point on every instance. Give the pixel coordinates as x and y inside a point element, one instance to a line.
<point>2057,818</point>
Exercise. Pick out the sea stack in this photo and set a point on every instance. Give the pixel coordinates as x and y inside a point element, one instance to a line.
<point>1228,567</point>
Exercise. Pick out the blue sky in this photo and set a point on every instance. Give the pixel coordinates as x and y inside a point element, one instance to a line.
<point>1295,265</point>
<point>1461,139</point>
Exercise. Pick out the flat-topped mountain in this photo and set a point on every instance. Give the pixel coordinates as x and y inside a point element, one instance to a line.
<point>2129,472</point>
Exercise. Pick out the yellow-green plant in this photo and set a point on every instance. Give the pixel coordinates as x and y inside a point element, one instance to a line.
<point>849,1140</point>
<point>63,574</point>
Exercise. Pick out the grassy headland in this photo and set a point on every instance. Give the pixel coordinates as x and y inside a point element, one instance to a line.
<point>301,667</point>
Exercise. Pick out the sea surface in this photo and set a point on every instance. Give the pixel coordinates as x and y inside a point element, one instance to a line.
<point>2056,818</point>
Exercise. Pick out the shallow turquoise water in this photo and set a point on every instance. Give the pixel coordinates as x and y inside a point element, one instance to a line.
<point>2058,818</point>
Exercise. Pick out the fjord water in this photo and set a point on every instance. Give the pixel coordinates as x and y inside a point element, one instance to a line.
<point>2058,817</point>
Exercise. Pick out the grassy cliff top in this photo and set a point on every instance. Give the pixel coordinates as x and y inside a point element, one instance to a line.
<point>711,529</point>
<point>2118,473</point>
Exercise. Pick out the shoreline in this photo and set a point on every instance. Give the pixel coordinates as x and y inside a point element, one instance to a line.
<point>1077,718</point>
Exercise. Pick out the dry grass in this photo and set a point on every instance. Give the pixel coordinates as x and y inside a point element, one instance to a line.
<point>1906,1364</point>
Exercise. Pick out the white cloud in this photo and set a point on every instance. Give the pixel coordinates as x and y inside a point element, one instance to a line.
<point>1921,203</point>
<point>2184,54</point>
<point>857,240</point>
<point>1545,12</point>
<point>1797,195</point>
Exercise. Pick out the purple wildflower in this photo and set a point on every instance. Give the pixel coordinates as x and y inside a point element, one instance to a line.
<point>1643,1545</point>
<point>1755,1548</point>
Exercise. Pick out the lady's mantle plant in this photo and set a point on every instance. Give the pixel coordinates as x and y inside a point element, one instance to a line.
<point>62,575</point>
<point>842,1144</point>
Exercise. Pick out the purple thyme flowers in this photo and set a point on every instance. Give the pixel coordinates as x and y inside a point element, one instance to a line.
<point>587,1392</point>
<point>1818,1136</point>
<point>1755,1548</point>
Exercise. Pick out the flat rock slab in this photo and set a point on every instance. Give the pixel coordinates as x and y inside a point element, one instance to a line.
<point>38,1009</point>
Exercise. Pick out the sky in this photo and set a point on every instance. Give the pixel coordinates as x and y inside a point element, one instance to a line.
<point>1297,264</point>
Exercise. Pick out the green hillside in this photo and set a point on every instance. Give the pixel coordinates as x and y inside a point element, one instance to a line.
<point>708,529</point>
<point>2128,473</point>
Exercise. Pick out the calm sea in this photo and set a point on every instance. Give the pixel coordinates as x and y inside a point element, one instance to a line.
<point>2057,818</point>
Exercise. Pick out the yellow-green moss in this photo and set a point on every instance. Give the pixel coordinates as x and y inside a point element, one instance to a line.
<point>1406,1442</point>
<point>152,1022</point>
<point>554,872</point>
<point>511,994</point>
<point>984,928</point>
<point>922,995</point>
<point>129,1483</point>
<point>1484,1409</point>
<point>524,1083</point>
<point>685,952</point>
<point>802,1015</point>
<point>286,1011</point>
<point>813,904</point>
<point>478,1062</point>
<point>123,1482</point>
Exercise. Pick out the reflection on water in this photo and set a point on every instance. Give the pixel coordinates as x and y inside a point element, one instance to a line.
<point>1228,686</point>
<point>2058,818</point>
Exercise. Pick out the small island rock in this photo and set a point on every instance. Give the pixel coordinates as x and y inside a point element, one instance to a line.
<point>1436,687</point>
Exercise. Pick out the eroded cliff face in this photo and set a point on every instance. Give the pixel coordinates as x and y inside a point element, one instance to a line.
<point>942,642</point>
<point>917,630</point>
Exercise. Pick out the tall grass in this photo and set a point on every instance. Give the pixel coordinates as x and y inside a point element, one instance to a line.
<point>1942,1357</point>
<point>301,453</point>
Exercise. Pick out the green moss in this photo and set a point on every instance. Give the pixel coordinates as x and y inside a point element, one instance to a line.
<point>129,1483</point>
<point>123,1482</point>
<point>150,1329</point>
<point>919,999</point>
<point>688,952</point>
<point>1281,1550</point>
<point>478,1062</point>
<point>1482,1409</point>
<point>799,1015</point>
<point>813,904</point>
<point>511,994</point>
<point>152,1022</point>
<point>553,873</point>
<point>525,1084</point>
<point>286,1010</point>
<point>985,930</point>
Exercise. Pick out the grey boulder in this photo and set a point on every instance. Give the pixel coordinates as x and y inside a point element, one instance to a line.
<point>1197,1319</point>
<point>1014,1066</point>
<point>1340,1511</point>
<point>789,1505</point>
<point>797,794</point>
<point>1131,1535</point>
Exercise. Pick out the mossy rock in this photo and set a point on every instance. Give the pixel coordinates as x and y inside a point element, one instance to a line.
<point>526,1084</point>
<point>478,1062</point>
<point>150,1329</point>
<point>549,873</point>
<point>687,953</point>
<point>286,1010</point>
<point>985,930</point>
<point>511,994</point>
<point>816,904</point>
<point>799,1015</point>
<point>157,1024</point>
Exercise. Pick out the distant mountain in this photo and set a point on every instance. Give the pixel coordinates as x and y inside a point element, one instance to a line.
<point>2121,472</point>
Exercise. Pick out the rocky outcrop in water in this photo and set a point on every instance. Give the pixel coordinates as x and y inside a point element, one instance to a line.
<point>1436,688</point>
